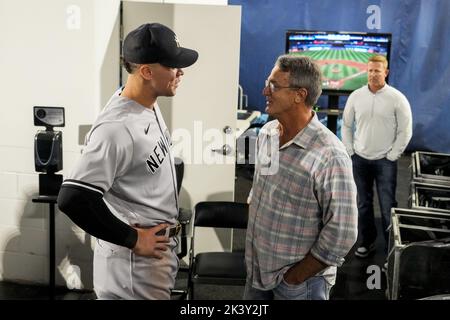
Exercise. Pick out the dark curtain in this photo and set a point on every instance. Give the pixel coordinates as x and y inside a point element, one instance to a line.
<point>420,52</point>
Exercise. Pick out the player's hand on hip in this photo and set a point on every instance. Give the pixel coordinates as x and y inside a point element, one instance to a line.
<point>149,244</point>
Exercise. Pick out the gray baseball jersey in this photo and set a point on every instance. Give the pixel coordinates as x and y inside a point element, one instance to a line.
<point>127,159</point>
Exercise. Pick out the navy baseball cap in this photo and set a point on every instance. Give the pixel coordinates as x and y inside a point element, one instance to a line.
<point>156,43</point>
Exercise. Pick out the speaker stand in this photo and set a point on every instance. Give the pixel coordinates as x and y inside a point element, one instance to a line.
<point>51,200</point>
<point>49,184</point>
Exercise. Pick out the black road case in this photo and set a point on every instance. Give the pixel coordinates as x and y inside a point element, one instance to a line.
<point>419,254</point>
<point>430,167</point>
<point>427,196</point>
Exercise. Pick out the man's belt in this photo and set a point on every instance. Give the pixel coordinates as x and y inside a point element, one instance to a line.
<point>171,231</point>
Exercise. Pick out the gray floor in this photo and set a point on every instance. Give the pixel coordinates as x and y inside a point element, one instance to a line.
<point>350,284</point>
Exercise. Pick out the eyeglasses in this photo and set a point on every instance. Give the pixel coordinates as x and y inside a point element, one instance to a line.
<point>272,87</point>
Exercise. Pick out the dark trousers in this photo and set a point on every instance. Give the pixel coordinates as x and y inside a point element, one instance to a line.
<point>384,173</point>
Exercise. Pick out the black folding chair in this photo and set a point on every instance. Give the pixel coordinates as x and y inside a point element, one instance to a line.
<point>219,268</point>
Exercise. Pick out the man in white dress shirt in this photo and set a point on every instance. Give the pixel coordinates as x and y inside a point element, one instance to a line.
<point>377,127</point>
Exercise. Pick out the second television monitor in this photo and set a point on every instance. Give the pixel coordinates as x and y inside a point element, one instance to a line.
<point>342,56</point>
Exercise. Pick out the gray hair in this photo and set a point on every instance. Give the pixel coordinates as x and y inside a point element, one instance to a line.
<point>303,73</point>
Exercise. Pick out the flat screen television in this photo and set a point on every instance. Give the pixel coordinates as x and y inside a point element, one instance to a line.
<point>342,56</point>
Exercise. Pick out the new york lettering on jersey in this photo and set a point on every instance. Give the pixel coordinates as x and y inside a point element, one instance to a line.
<point>157,156</point>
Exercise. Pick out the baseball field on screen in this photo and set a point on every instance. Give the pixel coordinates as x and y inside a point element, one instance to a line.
<point>341,69</point>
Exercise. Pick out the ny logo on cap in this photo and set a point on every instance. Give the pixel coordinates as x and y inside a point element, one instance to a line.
<point>176,40</point>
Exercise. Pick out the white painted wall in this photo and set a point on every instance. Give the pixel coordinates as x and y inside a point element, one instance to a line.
<point>46,59</point>
<point>50,55</point>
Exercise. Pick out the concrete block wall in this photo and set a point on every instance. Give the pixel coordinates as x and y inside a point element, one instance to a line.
<point>47,56</point>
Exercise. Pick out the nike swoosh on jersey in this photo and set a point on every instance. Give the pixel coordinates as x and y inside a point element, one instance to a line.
<point>146,130</point>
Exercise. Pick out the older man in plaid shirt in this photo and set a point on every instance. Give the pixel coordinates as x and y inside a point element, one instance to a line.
<point>303,212</point>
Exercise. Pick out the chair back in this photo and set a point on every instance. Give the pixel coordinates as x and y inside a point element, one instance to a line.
<point>221,214</point>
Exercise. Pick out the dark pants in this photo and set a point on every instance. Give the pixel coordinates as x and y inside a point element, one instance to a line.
<point>384,173</point>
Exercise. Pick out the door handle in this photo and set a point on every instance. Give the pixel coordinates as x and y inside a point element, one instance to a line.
<point>225,149</point>
<point>227,130</point>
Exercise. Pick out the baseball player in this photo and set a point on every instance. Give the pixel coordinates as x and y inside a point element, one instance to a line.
<point>123,189</point>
